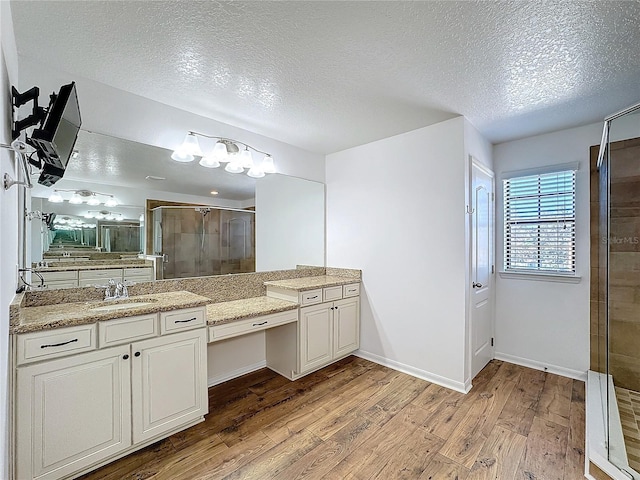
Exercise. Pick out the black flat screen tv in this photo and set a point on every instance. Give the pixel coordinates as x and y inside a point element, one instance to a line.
<point>57,135</point>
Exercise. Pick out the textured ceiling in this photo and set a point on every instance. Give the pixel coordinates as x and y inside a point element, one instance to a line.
<point>330,75</point>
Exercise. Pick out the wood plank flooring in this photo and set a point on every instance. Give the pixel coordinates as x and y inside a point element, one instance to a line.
<point>359,420</point>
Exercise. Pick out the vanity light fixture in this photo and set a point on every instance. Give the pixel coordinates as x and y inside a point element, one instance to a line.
<point>225,150</point>
<point>82,196</point>
<point>104,215</point>
<point>55,197</point>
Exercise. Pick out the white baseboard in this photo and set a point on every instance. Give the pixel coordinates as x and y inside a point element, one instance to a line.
<point>415,372</point>
<point>545,367</point>
<point>235,373</point>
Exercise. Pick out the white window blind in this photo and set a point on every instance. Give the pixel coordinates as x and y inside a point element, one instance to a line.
<point>540,223</point>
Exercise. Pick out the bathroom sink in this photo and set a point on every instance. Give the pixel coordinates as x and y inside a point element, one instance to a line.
<point>120,306</point>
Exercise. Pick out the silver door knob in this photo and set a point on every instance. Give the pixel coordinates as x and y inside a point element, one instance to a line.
<point>477,285</point>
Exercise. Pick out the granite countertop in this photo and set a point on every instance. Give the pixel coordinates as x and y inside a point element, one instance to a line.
<point>67,268</point>
<point>33,319</point>
<point>311,283</point>
<point>226,312</point>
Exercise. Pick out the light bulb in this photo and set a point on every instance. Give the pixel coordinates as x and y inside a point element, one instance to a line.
<point>209,162</point>
<point>246,160</point>
<point>234,167</point>
<point>55,197</point>
<point>220,152</point>
<point>99,216</point>
<point>75,199</point>
<point>88,215</point>
<point>267,164</point>
<point>111,202</point>
<point>191,146</point>
<point>109,216</point>
<point>181,156</point>
<point>255,172</point>
<point>119,218</point>
<point>93,200</point>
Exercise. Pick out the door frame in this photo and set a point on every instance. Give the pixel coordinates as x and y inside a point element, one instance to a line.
<point>471,163</point>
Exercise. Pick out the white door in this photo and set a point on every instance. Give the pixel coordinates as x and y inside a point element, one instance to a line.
<point>169,383</point>
<point>316,329</point>
<point>346,326</point>
<point>482,266</point>
<point>72,412</point>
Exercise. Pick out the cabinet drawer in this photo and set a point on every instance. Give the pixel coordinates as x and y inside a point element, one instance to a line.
<point>138,272</point>
<point>241,327</point>
<point>311,297</point>
<point>115,273</point>
<point>332,293</point>
<point>36,346</point>
<point>185,319</point>
<point>124,330</point>
<point>58,276</point>
<point>352,290</point>
<point>54,285</point>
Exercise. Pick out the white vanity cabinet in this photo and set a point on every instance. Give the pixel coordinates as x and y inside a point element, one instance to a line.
<point>72,412</point>
<point>326,331</point>
<point>52,280</point>
<point>346,326</point>
<point>87,278</point>
<point>134,387</point>
<point>169,383</point>
<point>137,275</point>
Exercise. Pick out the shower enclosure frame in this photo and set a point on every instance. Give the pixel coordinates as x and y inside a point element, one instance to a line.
<point>605,441</point>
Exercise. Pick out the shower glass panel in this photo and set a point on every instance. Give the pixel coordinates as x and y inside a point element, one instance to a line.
<point>123,238</point>
<point>619,292</point>
<point>202,241</point>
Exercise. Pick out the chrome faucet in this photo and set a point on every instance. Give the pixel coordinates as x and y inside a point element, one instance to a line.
<point>121,291</point>
<point>107,292</point>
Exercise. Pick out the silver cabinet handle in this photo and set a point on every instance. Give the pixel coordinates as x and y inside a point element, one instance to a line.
<point>261,323</point>
<point>311,298</point>
<point>477,285</point>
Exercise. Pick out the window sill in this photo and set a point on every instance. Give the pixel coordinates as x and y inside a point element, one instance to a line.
<point>541,277</point>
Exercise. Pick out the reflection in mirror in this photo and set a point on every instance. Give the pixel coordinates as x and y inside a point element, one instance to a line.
<point>70,231</point>
<point>136,176</point>
<point>201,241</point>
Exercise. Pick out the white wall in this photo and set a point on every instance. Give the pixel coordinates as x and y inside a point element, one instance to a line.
<point>543,323</point>
<point>290,223</point>
<point>8,219</point>
<point>395,209</point>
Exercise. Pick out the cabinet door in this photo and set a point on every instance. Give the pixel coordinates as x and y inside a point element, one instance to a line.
<point>169,383</point>
<point>316,336</point>
<point>72,412</point>
<point>346,325</point>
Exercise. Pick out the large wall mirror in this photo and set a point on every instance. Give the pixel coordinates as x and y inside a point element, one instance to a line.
<point>120,198</point>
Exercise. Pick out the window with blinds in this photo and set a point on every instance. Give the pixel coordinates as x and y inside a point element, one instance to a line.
<point>540,223</point>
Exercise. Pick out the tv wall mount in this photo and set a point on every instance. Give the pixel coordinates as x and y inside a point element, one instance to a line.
<point>38,113</point>
<point>37,116</point>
